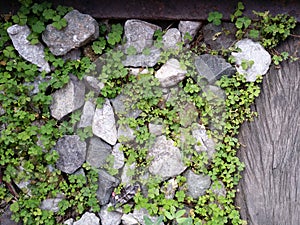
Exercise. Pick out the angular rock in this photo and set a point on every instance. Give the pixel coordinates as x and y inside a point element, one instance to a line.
<point>218,188</point>
<point>80,29</point>
<point>139,34</point>
<point>88,111</point>
<point>67,99</point>
<point>170,188</point>
<point>104,124</point>
<point>142,60</point>
<point>72,153</point>
<point>74,54</point>
<point>212,67</point>
<point>93,84</point>
<point>110,217</point>
<point>127,173</point>
<point>139,216</point>
<point>190,27</point>
<point>170,73</point>
<point>167,159</point>
<point>50,204</point>
<point>171,39</point>
<point>32,53</point>
<point>252,51</point>
<point>106,184</point>
<point>88,219</point>
<point>37,81</point>
<point>122,105</point>
<point>219,37</point>
<point>155,129</point>
<point>128,219</point>
<point>69,221</point>
<point>97,152</point>
<point>197,184</point>
<point>204,143</point>
<point>125,133</point>
<point>119,158</point>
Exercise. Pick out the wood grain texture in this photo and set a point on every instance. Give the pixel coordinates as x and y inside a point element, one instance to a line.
<point>269,192</point>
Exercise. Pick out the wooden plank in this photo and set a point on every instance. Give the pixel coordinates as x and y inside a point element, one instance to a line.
<point>270,187</point>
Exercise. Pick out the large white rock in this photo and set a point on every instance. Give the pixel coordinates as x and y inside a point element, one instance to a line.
<point>88,219</point>
<point>171,38</point>
<point>167,159</point>
<point>252,51</point>
<point>32,53</point>
<point>170,73</point>
<point>104,124</point>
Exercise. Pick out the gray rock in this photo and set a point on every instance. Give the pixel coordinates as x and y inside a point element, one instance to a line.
<point>127,173</point>
<point>5,217</point>
<point>218,188</point>
<point>88,219</point>
<point>188,114</point>
<point>142,60</point>
<point>125,133</point>
<point>67,99</point>
<point>50,204</point>
<point>104,123</point>
<point>171,39</point>
<point>170,73</point>
<point>167,159</point>
<point>74,54</point>
<point>128,219</point>
<point>97,152</point>
<point>156,129</point>
<point>252,51</point>
<point>37,81</point>
<point>212,67</point>
<point>93,84</point>
<point>109,217</point>
<point>139,216</point>
<point>88,111</point>
<point>122,105</point>
<point>190,27</point>
<point>32,53</point>
<point>72,153</point>
<point>196,184</point>
<point>204,143</point>
<point>69,221</point>
<point>106,184</point>
<point>170,188</point>
<point>119,158</point>
<point>219,37</point>
<point>139,34</point>
<point>80,30</point>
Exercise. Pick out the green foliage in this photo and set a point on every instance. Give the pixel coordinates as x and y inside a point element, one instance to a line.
<point>158,221</point>
<point>215,18</point>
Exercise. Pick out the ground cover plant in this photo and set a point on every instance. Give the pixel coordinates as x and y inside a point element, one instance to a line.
<point>29,133</point>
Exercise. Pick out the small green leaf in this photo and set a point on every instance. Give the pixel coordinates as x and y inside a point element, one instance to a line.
<point>38,27</point>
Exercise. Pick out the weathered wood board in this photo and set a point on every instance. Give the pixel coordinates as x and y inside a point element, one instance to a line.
<point>269,192</point>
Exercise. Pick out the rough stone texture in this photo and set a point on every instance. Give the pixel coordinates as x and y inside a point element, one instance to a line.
<point>218,188</point>
<point>37,81</point>
<point>72,153</point>
<point>127,175</point>
<point>197,184</point>
<point>97,152</point>
<point>170,73</point>
<point>32,53</point>
<point>106,184</point>
<point>128,219</point>
<point>67,99</point>
<point>74,54</point>
<point>191,27</point>
<point>50,204</point>
<point>252,51</point>
<point>155,129</point>
<point>81,29</point>
<point>87,115</point>
<point>167,161</point>
<point>69,221</point>
<point>122,106</point>
<point>110,217</point>
<point>170,188</point>
<point>118,157</point>
<point>219,37</point>
<point>125,133</point>
<point>104,124</point>
<point>171,38</point>
<point>139,34</point>
<point>142,60</point>
<point>138,215</point>
<point>88,219</point>
<point>212,67</point>
<point>270,184</point>
<point>93,84</point>
<point>204,143</point>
